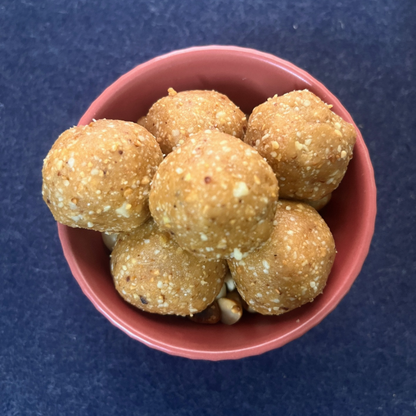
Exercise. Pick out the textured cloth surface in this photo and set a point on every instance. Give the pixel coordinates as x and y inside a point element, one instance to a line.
<point>59,356</point>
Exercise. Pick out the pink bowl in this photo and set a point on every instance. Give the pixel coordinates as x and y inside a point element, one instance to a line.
<point>248,77</point>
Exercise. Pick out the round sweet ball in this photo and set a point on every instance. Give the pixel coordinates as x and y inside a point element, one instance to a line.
<point>307,145</point>
<point>154,274</point>
<point>173,119</point>
<point>292,268</point>
<point>216,195</point>
<point>98,176</point>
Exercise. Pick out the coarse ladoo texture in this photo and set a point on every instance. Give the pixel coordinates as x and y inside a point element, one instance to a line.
<point>153,273</point>
<point>292,268</point>
<point>98,176</point>
<point>174,118</point>
<point>216,195</point>
<point>307,145</point>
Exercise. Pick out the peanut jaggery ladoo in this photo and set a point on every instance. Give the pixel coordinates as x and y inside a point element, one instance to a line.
<point>154,274</point>
<point>307,145</point>
<point>216,195</point>
<point>98,176</point>
<point>176,117</point>
<point>292,267</point>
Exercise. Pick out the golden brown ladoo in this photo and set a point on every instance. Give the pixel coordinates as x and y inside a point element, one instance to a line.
<point>292,268</point>
<point>307,145</point>
<point>174,118</point>
<point>216,195</point>
<point>98,176</point>
<point>153,273</point>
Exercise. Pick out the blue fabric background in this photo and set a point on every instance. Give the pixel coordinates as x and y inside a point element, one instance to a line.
<point>59,356</point>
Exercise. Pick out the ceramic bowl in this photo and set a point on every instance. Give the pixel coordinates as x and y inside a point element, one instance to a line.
<point>248,77</point>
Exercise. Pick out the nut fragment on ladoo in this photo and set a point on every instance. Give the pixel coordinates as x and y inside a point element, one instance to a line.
<point>109,240</point>
<point>231,311</point>
<point>210,315</point>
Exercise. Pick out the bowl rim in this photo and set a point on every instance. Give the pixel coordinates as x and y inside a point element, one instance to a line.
<point>329,306</point>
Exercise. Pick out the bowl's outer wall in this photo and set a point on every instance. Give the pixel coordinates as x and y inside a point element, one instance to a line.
<point>248,77</point>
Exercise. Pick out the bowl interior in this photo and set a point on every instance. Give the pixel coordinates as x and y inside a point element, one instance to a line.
<point>248,78</point>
